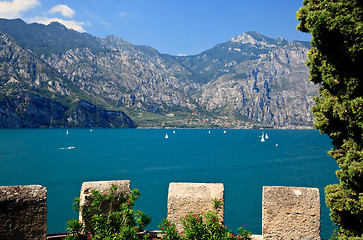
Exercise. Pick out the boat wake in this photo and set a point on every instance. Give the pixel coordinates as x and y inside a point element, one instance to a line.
<point>67,148</point>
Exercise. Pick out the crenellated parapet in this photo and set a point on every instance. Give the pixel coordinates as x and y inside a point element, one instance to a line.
<point>287,212</point>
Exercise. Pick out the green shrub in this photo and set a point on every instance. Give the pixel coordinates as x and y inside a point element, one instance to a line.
<point>201,227</point>
<point>104,222</point>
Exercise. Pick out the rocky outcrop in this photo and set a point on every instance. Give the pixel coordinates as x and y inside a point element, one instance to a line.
<point>271,90</point>
<point>30,111</point>
<point>33,111</point>
<point>86,115</point>
<point>127,76</point>
<point>34,95</point>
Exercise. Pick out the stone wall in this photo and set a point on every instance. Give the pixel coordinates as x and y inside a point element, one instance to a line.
<point>23,212</point>
<point>184,198</point>
<point>287,212</point>
<point>290,213</point>
<point>123,188</point>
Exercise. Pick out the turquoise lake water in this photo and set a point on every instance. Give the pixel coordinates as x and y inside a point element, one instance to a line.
<point>236,158</point>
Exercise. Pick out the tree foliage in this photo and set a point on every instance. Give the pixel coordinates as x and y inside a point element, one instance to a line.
<point>336,62</point>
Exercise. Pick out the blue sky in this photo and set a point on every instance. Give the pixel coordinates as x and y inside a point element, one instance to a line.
<point>170,26</point>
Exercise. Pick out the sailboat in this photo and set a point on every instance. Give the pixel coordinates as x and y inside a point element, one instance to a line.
<point>67,132</point>
<point>266,136</point>
<point>166,136</point>
<point>262,138</point>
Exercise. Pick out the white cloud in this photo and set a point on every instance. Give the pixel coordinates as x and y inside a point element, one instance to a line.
<point>105,23</point>
<point>122,14</point>
<point>14,8</point>
<point>72,24</point>
<point>182,55</point>
<point>62,9</point>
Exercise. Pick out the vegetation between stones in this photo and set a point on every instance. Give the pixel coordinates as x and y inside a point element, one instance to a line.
<point>205,226</point>
<point>126,223</point>
<point>104,223</point>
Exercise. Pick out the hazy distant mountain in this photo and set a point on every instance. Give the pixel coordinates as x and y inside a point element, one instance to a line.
<point>249,80</point>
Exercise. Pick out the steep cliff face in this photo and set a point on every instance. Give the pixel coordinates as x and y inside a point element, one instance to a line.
<point>87,115</point>
<point>34,95</point>
<point>33,111</point>
<point>251,78</point>
<point>126,75</point>
<point>21,70</point>
<point>270,87</point>
<point>30,111</point>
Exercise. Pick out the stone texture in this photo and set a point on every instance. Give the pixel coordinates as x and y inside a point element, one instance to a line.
<point>23,212</point>
<point>290,213</point>
<point>184,198</point>
<point>256,237</point>
<point>123,188</point>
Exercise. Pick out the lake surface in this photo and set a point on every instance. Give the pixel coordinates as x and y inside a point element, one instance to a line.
<point>237,158</point>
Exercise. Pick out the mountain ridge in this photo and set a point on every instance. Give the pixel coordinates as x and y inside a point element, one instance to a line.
<point>249,81</point>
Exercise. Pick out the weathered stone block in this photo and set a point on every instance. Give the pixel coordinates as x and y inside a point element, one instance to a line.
<point>184,198</point>
<point>123,188</point>
<point>290,213</point>
<point>23,212</point>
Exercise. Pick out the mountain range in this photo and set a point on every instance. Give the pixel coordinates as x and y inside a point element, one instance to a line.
<point>51,76</point>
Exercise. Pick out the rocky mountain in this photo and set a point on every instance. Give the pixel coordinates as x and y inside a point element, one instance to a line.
<point>33,94</point>
<point>257,78</point>
<point>86,81</point>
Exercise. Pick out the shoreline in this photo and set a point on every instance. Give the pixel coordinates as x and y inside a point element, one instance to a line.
<point>262,128</point>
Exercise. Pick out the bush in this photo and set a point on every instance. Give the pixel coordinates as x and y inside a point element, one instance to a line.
<point>104,223</point>
<point>201,227</point>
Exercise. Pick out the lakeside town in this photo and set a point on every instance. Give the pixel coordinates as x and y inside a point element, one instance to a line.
<point>198,121</point>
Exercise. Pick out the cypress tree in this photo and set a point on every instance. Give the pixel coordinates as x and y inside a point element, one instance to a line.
<point>336,62</point>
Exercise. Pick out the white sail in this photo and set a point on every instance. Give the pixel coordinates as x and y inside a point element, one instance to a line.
<point>262,137</point>
<point>166,136</point>
<point>266,136</point>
